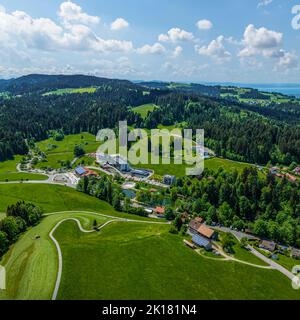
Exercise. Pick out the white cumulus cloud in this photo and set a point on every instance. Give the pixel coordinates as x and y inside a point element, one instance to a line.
<point>119,24</point>
<point>71,12</point>
<point>176,34</point>
<point>260,41</point>
<point>45,34</point>
<point>215,49</point>
<point>204,24</point>
<point>156,48</point>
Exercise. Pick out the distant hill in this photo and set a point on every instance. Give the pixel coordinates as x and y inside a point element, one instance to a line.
<point>193,88</point>
<point>42,83</point>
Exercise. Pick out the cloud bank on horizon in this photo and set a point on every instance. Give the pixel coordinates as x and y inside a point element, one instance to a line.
<point>118,44</point>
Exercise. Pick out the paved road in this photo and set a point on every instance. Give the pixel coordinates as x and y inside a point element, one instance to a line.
<point>274,265</point>
<point>238,234</point>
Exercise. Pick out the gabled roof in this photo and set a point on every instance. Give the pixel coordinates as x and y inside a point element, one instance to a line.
<point>205,231</point>
<point>196,223</point>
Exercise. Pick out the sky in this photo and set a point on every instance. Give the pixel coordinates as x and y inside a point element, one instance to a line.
<point>255,41</point>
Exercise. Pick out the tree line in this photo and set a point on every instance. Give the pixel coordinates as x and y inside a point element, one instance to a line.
<point>19,217</point>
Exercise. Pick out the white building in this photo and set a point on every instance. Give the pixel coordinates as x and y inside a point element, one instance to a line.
<point>115,160</point>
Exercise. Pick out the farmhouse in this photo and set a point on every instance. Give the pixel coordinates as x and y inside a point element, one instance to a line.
<point>202,242</point>
<point>268,245</point>
<point>195,224</point>
<point>207,232</point>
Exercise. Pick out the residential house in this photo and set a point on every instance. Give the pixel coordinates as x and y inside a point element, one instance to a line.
<point>268,245</point>
<point>295,253</point>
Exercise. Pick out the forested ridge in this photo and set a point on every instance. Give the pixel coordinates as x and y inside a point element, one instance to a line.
<point>234,130</point>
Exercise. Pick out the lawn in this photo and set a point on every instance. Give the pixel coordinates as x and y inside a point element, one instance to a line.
<point>71,91</point>
<point>31,264</point>
<point>144,109</point>
<point>287,262</point>
<point>8,172</point>
<point>53,198</point>
<point>153,264</point>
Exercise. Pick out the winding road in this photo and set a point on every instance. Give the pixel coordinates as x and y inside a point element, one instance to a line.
<point>51,235</point>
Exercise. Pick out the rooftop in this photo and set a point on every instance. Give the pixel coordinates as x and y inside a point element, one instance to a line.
<point>205,231</point>
<point>80,170</point>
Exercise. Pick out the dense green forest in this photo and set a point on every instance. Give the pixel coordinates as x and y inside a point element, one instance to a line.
<point>233,130</point>
<point>269,207</point>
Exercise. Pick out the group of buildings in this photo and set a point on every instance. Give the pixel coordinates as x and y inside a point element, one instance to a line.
<point>271,247</point>
<point>202,236</point>
<point>277,173</point>
<point>85,172</point>
<point>119,163</point>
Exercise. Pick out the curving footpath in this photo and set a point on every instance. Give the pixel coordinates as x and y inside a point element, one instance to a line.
<point>60,261</point>
<point>51,235</point>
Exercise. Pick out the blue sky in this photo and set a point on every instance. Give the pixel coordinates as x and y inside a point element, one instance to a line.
<point>178,40</point>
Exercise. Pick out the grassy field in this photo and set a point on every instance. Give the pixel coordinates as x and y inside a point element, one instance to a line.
<point>2,215</point>
<point>31,264</point>
<point>153,264</point>
<point>54,198</point>
<point>8,171</point>
<point>71,90</point>
<point>57,151</point>
<point>179,169</point>
<point>144,109</point>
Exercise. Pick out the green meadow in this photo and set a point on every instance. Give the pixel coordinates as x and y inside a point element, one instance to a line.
<point>71,91</point>
<point>179,170</point>
<point>8,172</point>
<point>144,109</point>
<point>153,264</point>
